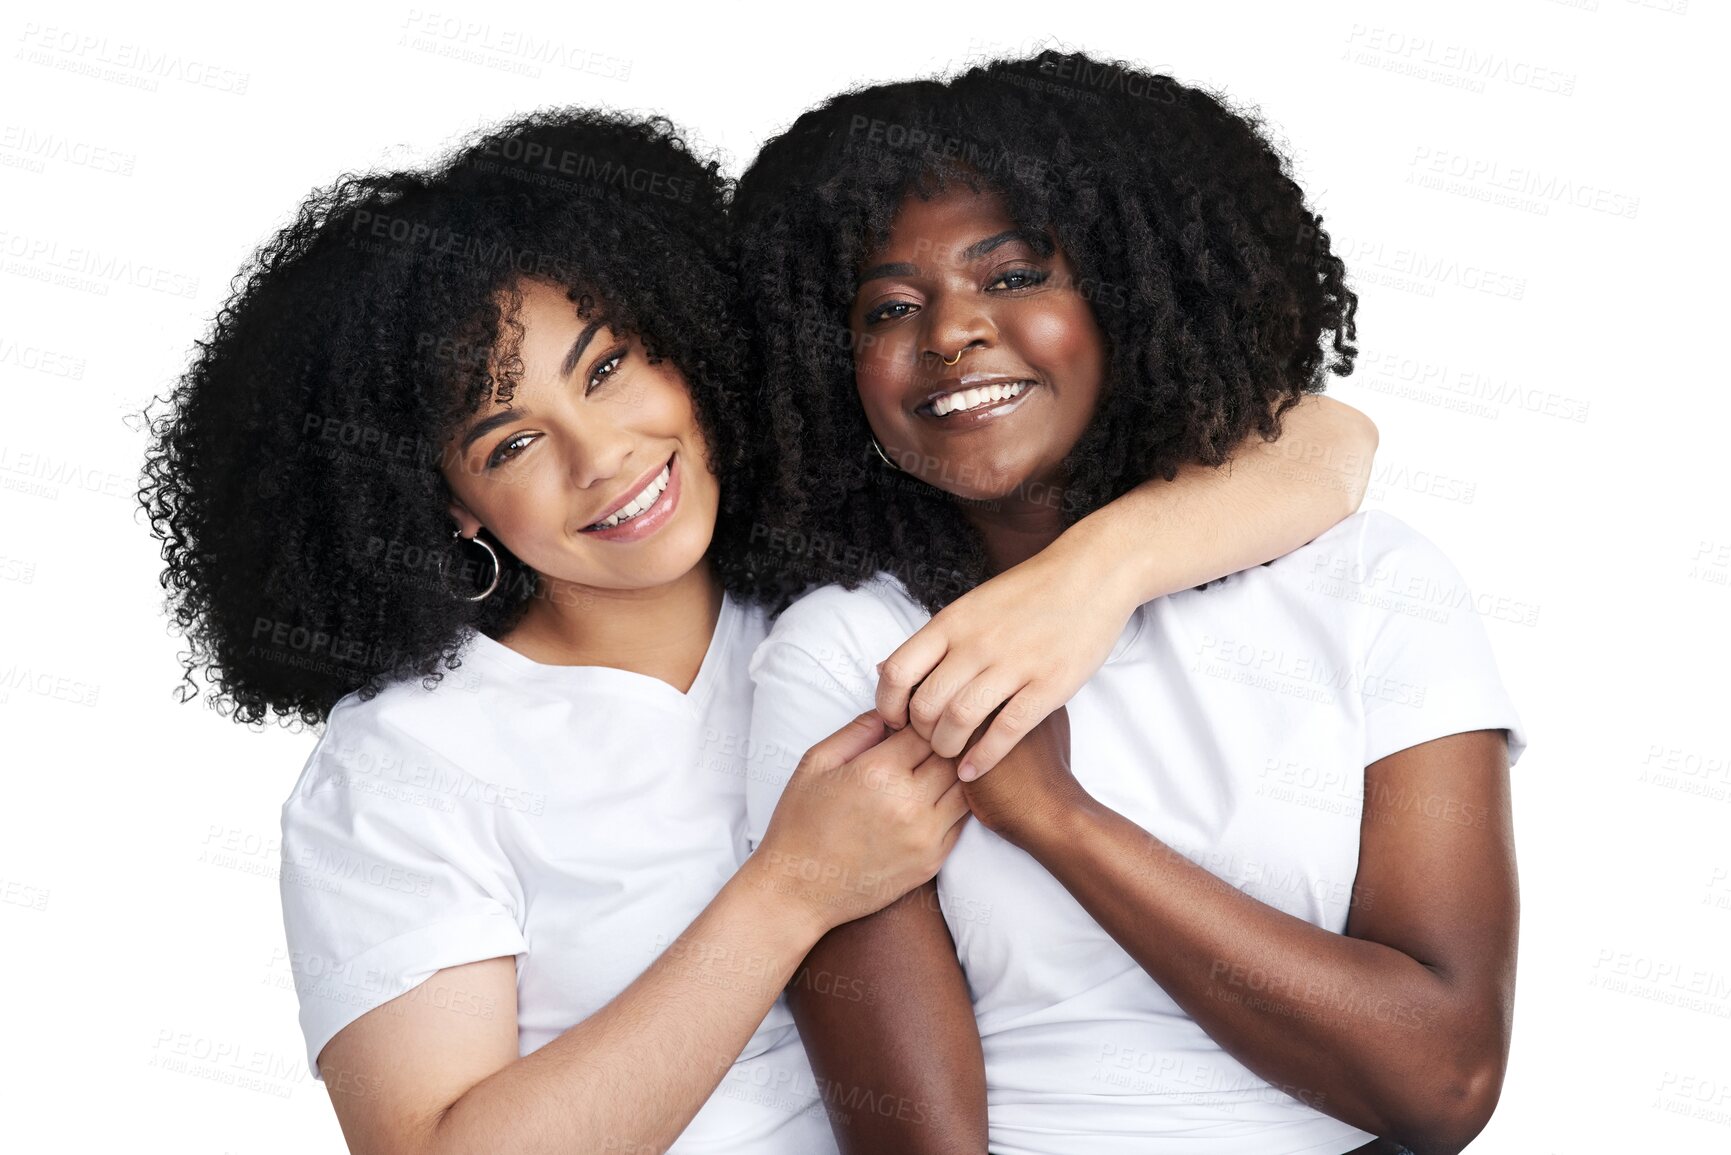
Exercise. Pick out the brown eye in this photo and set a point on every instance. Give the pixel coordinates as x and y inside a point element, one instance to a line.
<point>884,311</point>
<point>1021,279</point>
<point>508,449</point>
<point>608,367</point>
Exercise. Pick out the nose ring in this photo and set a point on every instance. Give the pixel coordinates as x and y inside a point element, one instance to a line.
<point>958,356</point>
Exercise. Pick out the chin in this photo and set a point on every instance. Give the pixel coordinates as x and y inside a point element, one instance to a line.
<point>670,556</point>
<point>671,560</point>
<point>994,483</point>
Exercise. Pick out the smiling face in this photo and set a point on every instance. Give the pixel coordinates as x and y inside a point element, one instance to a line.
<point>978,363</point>
<point>592,430</point>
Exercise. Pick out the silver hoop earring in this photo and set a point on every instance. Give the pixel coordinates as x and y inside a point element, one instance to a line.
<point>491,556</point>
<point>882,456</point>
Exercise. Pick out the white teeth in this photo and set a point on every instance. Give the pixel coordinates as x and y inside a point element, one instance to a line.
<point>974,398</point>
<point>641,502</point>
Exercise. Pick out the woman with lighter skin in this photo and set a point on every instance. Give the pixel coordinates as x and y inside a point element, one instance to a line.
<point>467,474</point>
<point>1252,889</point>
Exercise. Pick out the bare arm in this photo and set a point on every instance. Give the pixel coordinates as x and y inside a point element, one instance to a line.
<point>1272,497</point>
<point>863,820</point>
<point>1401,1025</point>
<point>416,1075</point>
<point>1030,637</point>
<point>885,1013</point>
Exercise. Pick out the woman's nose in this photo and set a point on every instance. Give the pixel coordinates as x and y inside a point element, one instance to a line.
<point>957,325</point>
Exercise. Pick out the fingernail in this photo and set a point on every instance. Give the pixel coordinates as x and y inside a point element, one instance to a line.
<point>966,773</point>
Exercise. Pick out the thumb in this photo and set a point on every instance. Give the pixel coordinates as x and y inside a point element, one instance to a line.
<point>849,742</point>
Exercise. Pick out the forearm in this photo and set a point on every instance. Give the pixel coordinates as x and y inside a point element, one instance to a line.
<point>631,1076</point>
<point>884,1010</point>
<point>1358,1030</point>
<point>1207,522</point>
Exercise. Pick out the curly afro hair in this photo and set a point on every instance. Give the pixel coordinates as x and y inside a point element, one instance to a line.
<point>1214,285</point>
<point>294,477</point>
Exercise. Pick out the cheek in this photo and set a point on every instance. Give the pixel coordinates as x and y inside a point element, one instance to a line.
<point>655,402</point>
<point>523,507</point>
<point>660,406</point>
<point>882,373</point>
<point>665,408</point>
<point>1069,343</point>
<point>1072,352</point>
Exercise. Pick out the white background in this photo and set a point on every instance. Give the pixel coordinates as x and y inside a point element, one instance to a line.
<point>1528,196</point>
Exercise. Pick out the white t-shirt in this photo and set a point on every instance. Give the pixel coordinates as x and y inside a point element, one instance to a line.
<point>577,817</point>
<point>1232,722</point>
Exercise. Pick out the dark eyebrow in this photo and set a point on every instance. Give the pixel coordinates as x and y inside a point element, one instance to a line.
<point>894,269</point>
<point>1036,241</point>
<point>506,416</point>
<point>577,347</point>
<point>484,427</point>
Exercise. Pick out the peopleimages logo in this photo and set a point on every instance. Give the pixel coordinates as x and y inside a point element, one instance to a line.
<point>88,269</point>
<point>1532,189</point>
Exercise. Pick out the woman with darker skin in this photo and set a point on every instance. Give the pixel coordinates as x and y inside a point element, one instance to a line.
<point>1131,278</point>
<point>465,473</point>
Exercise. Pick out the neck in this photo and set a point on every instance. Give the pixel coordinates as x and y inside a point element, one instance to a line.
<point>1014,528</point>
<point>662,632</point>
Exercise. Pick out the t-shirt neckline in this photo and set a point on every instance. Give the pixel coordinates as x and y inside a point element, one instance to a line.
<point>580,677</point>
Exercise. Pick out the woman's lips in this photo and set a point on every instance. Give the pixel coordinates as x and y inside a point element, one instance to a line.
<point>962,419</point>
<point>652,518</point>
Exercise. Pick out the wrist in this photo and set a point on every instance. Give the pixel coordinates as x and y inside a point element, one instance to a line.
<point>1115,571</point>
<point>1063,828</point>
<point>779,899</point>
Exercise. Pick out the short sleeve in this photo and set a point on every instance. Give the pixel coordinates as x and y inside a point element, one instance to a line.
<point>1428,668</point>
<point>385,885</point>
<point>797,701</point>
<point>815,673</point>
